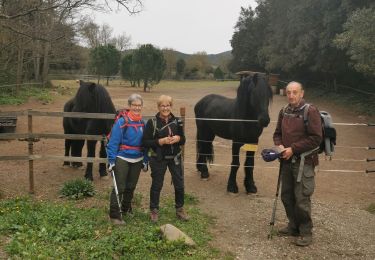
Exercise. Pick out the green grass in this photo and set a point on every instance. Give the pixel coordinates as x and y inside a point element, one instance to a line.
<point>371,208</point>
<point>9,97</point>
<point>46,230</point>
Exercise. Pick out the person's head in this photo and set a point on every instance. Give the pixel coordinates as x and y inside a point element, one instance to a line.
<point>135,103</point>
<point>164,105</point>
<point>294,92</point>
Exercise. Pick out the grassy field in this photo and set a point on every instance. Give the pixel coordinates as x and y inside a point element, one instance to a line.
<point>50,230</point>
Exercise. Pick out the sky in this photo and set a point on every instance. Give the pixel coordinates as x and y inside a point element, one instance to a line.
<point>188,26</point>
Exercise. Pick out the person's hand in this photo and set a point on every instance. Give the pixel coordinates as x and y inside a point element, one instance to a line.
<point>287,153</point>
<point>110,167</point>
<point>174,139</point>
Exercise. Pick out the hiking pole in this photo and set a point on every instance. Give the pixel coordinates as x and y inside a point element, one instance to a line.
<point>272,222</point>
<point>116,191</point>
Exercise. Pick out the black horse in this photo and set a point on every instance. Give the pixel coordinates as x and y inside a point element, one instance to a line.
<point>244,120</point>
<point>90,98</point>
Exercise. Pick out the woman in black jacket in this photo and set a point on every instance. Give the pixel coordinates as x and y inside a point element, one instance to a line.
<point>163,136</point>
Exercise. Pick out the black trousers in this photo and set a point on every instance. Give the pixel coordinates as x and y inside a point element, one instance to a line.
<point>158,169</point>
<point>127,175</point>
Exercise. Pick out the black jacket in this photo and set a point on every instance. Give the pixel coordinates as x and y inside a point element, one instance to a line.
<point>163,129</point>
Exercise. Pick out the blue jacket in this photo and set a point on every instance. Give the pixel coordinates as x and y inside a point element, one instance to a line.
<point>125,140</point>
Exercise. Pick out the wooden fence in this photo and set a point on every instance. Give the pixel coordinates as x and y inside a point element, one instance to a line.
<point>32,137</point>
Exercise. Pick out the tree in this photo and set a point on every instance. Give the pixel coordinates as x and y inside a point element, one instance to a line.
<point>358,40</point>
<point>32,31</point>
<point>218,73</point>
<point>170,57</point>
<point>149,65</point>
<point>104,60</point>
<point>128,69</point>
<point>180,68</point>
<point>198,65</point>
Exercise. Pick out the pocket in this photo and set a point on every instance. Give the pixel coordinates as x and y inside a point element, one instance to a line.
<point>308,181</point>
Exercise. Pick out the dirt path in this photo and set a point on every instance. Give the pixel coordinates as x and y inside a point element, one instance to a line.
<point>342,228</point>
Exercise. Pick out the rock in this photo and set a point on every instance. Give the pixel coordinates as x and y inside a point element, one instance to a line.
<point>172,233</point>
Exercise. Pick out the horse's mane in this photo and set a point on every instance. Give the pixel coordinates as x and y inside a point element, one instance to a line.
<point>93,98</point>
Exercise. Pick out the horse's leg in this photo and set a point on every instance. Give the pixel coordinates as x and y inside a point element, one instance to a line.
<point>249,169</point>
<point>91,144</point>
<point>102,166</point>
<point>232,183</point>
<point>76,147</point>
<point>204,150</point>
<point>68,144</point>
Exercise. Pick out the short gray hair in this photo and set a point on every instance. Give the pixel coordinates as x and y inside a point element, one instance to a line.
<point>134,97</point>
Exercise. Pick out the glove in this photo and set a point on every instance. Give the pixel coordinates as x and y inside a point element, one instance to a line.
<point>111,166</point>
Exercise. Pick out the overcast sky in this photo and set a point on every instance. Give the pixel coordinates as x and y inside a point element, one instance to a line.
<point>188,26</point>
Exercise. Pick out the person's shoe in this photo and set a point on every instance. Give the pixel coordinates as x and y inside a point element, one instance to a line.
<point>117,222</point>
<point>154,215</point>
<point>304,240</point>
<point>286,231</point>
<point>181,214</point>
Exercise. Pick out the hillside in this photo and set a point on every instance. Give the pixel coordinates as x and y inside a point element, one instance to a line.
<point>214,59</point>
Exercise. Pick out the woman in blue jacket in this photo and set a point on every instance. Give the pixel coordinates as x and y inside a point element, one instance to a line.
<point>125,157</point>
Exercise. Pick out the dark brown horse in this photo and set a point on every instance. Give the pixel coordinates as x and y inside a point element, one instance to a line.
<point>241,119</point>
<point>90,98</point>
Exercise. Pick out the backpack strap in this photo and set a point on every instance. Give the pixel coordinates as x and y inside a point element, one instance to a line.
<point>305,118</point>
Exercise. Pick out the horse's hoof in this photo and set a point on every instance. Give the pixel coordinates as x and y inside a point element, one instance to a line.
<point>204,179</point>
<point>232,190</point>
<point>233,194</point>
<point>89,177</point>
<point>252,190</point>
<point>205,175</point>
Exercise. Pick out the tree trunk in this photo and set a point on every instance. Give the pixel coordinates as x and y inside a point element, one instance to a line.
<point>19,67</point>
<point>47,48</point>
<point>145,85</point>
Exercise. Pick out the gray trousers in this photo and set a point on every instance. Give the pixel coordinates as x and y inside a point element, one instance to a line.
<point>127,175</point>
<point>296,197</point>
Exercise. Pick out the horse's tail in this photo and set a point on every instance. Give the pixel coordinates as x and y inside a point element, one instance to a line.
<point>204,149</point>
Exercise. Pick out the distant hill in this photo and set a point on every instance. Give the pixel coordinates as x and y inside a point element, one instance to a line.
<point>214,59</point>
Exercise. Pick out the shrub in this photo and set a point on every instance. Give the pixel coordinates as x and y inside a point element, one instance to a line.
<point>77,189</point>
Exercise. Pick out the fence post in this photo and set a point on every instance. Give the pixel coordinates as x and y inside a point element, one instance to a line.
<point>31,151</point>
<point>182,116</point>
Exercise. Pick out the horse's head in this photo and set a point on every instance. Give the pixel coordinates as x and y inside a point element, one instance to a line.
<point>256,94</point>
<point>86,97</point>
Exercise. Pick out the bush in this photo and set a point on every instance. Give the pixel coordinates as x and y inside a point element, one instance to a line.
<point>77,189</point>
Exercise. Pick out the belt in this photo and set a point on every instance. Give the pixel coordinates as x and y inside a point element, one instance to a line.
<point>302,162</point>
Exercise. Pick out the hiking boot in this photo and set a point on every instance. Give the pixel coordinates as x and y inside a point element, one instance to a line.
<point>304,240</point>
<point>286,231</point>
<point>117,222</point>
<point>181,214</point>
<point>154,215</point>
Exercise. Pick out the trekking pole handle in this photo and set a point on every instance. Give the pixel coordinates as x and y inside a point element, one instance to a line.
<point>371,124</point>
<point>370,159</point>
<point>371,147</point>
<point>368,171</point>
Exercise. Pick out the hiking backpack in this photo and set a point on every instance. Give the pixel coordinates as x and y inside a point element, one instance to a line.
<point>328,142</point>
